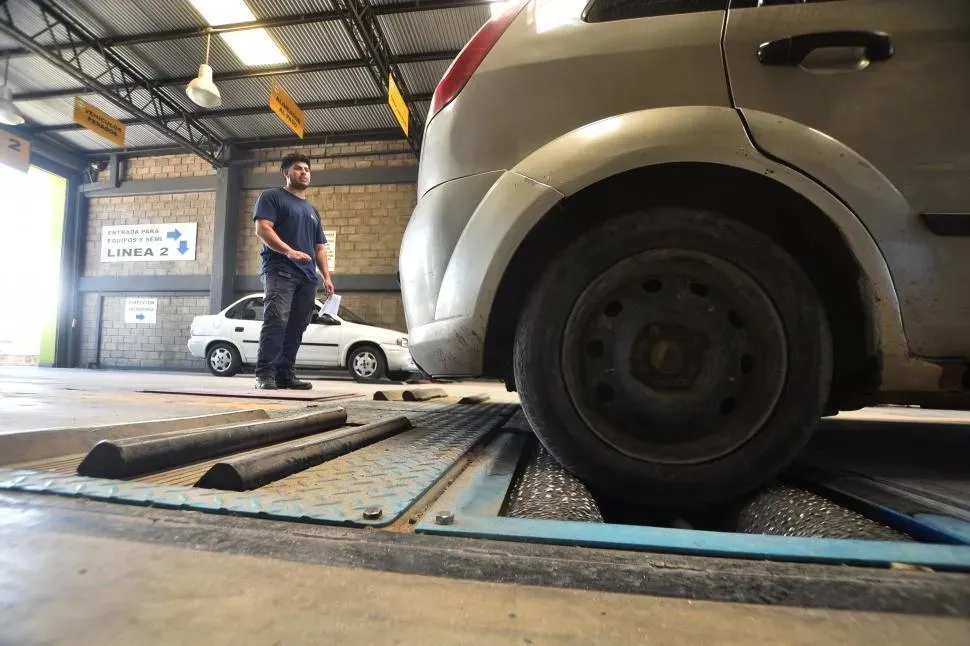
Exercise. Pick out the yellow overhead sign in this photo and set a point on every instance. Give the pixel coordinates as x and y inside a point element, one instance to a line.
<point>99,122</point>
<point>286,109</point>
<point>398,106</point>
<point>14,151</point>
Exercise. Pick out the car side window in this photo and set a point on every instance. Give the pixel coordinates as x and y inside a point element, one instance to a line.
<point>610,10</point>
<point>248,310</point>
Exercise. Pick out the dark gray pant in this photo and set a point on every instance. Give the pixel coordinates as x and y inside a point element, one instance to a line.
<point>289,301</point>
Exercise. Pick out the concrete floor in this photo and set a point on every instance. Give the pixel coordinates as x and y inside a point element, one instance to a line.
<point>35,398</point>
<point>64,587</point>
<point>61,586</point>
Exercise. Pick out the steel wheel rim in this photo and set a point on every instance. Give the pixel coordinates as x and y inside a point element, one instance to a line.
<point>674,356</point>
<point>365,364</point>
<point>220,360</point>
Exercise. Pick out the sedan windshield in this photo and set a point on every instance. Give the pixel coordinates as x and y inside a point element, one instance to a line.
<point>350,316</point>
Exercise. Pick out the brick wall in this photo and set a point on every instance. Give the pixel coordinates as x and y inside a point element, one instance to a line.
<point>150,209</point>
<point>369,221</point>
<point>163,167</point>
<point>159,345</point>
<point>360,155</point>
<point>380,309</point>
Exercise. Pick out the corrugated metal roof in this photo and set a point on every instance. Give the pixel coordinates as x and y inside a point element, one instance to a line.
<point>61,109</point>
<point>28,19</point>
<point>182,57</point>
<point>335,85</point>
<point>364,117</point>
<point>104,19</point>
<point>304,44</point>
<point>430,31</point>
<point>30,73</point>
<point>257,125</point>
<point>315,42</point>
<point>422,78</point>
<point>135,136</point>
<point>274,8</point>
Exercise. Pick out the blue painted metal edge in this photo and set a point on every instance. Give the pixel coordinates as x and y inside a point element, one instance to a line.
<point>477,496</point>
<point>936,528</point>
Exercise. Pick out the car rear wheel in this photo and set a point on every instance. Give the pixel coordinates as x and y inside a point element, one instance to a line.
<point>223,360</point>
<point>673,357</point>
<point>367,363</point>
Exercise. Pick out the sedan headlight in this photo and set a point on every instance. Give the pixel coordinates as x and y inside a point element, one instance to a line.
<point>403,342</point>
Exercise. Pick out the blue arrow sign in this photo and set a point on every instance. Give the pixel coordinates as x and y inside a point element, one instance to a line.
<point>174,235</point>
<point>183,247</point>
<point>139,317</point>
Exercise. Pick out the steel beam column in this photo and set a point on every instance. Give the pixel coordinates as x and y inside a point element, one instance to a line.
<point>365,30</point>
<point>225,230</point>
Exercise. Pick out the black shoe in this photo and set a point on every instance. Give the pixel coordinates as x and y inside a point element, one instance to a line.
<point>290,382</point>
<point>266,383</point>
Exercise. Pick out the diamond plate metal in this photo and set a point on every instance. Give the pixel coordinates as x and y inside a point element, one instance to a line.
<point>391,474</point>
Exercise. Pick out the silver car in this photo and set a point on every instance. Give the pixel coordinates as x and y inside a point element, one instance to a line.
<point>684,230</point>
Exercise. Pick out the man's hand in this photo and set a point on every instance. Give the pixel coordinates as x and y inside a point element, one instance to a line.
<point>297,256</point>
<point>328,285</point>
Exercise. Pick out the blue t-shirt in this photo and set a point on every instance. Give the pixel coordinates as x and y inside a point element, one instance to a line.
<point>297,223</point>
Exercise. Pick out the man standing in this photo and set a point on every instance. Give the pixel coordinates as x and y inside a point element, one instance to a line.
<point>292,236</point>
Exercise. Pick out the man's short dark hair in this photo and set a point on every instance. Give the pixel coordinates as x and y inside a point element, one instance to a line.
<point>291,159</point>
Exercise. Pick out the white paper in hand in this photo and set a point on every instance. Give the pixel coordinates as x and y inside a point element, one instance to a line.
<point>331,305</point>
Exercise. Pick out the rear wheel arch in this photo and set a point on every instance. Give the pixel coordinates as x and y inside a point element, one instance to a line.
<point>769,206</point>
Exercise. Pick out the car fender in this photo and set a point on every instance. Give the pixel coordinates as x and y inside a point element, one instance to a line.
<point>578,159</point>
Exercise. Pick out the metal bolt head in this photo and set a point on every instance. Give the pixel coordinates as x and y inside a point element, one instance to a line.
<point>373,513</point>
<point>444,518</point>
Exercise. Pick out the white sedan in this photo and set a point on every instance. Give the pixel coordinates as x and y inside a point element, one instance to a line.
<point>229,340</point>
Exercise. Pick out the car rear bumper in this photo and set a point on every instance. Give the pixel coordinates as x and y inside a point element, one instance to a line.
<point>454,254</point>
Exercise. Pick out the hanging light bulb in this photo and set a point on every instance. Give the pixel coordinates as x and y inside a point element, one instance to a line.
<point>201,90</point>
<point>9,114</point>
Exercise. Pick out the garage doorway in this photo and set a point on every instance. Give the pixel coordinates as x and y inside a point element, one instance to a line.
<point>32,211</point>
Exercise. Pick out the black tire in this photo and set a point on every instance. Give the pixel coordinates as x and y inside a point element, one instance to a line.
<point>370,355</point>
<point>645,381</point>
<point>223,360</point>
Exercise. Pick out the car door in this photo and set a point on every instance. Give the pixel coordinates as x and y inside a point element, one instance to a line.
<point>880,90</point>
<point>245,320</point>
<point>321,342</point>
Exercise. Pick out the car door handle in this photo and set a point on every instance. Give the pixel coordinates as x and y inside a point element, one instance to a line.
<point>791,51</point>
<point>239,329</point>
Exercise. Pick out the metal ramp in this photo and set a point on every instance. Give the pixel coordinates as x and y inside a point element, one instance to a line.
<point>476,470</point>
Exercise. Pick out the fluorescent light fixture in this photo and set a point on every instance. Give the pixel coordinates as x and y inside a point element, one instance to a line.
<point>253,46</point>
